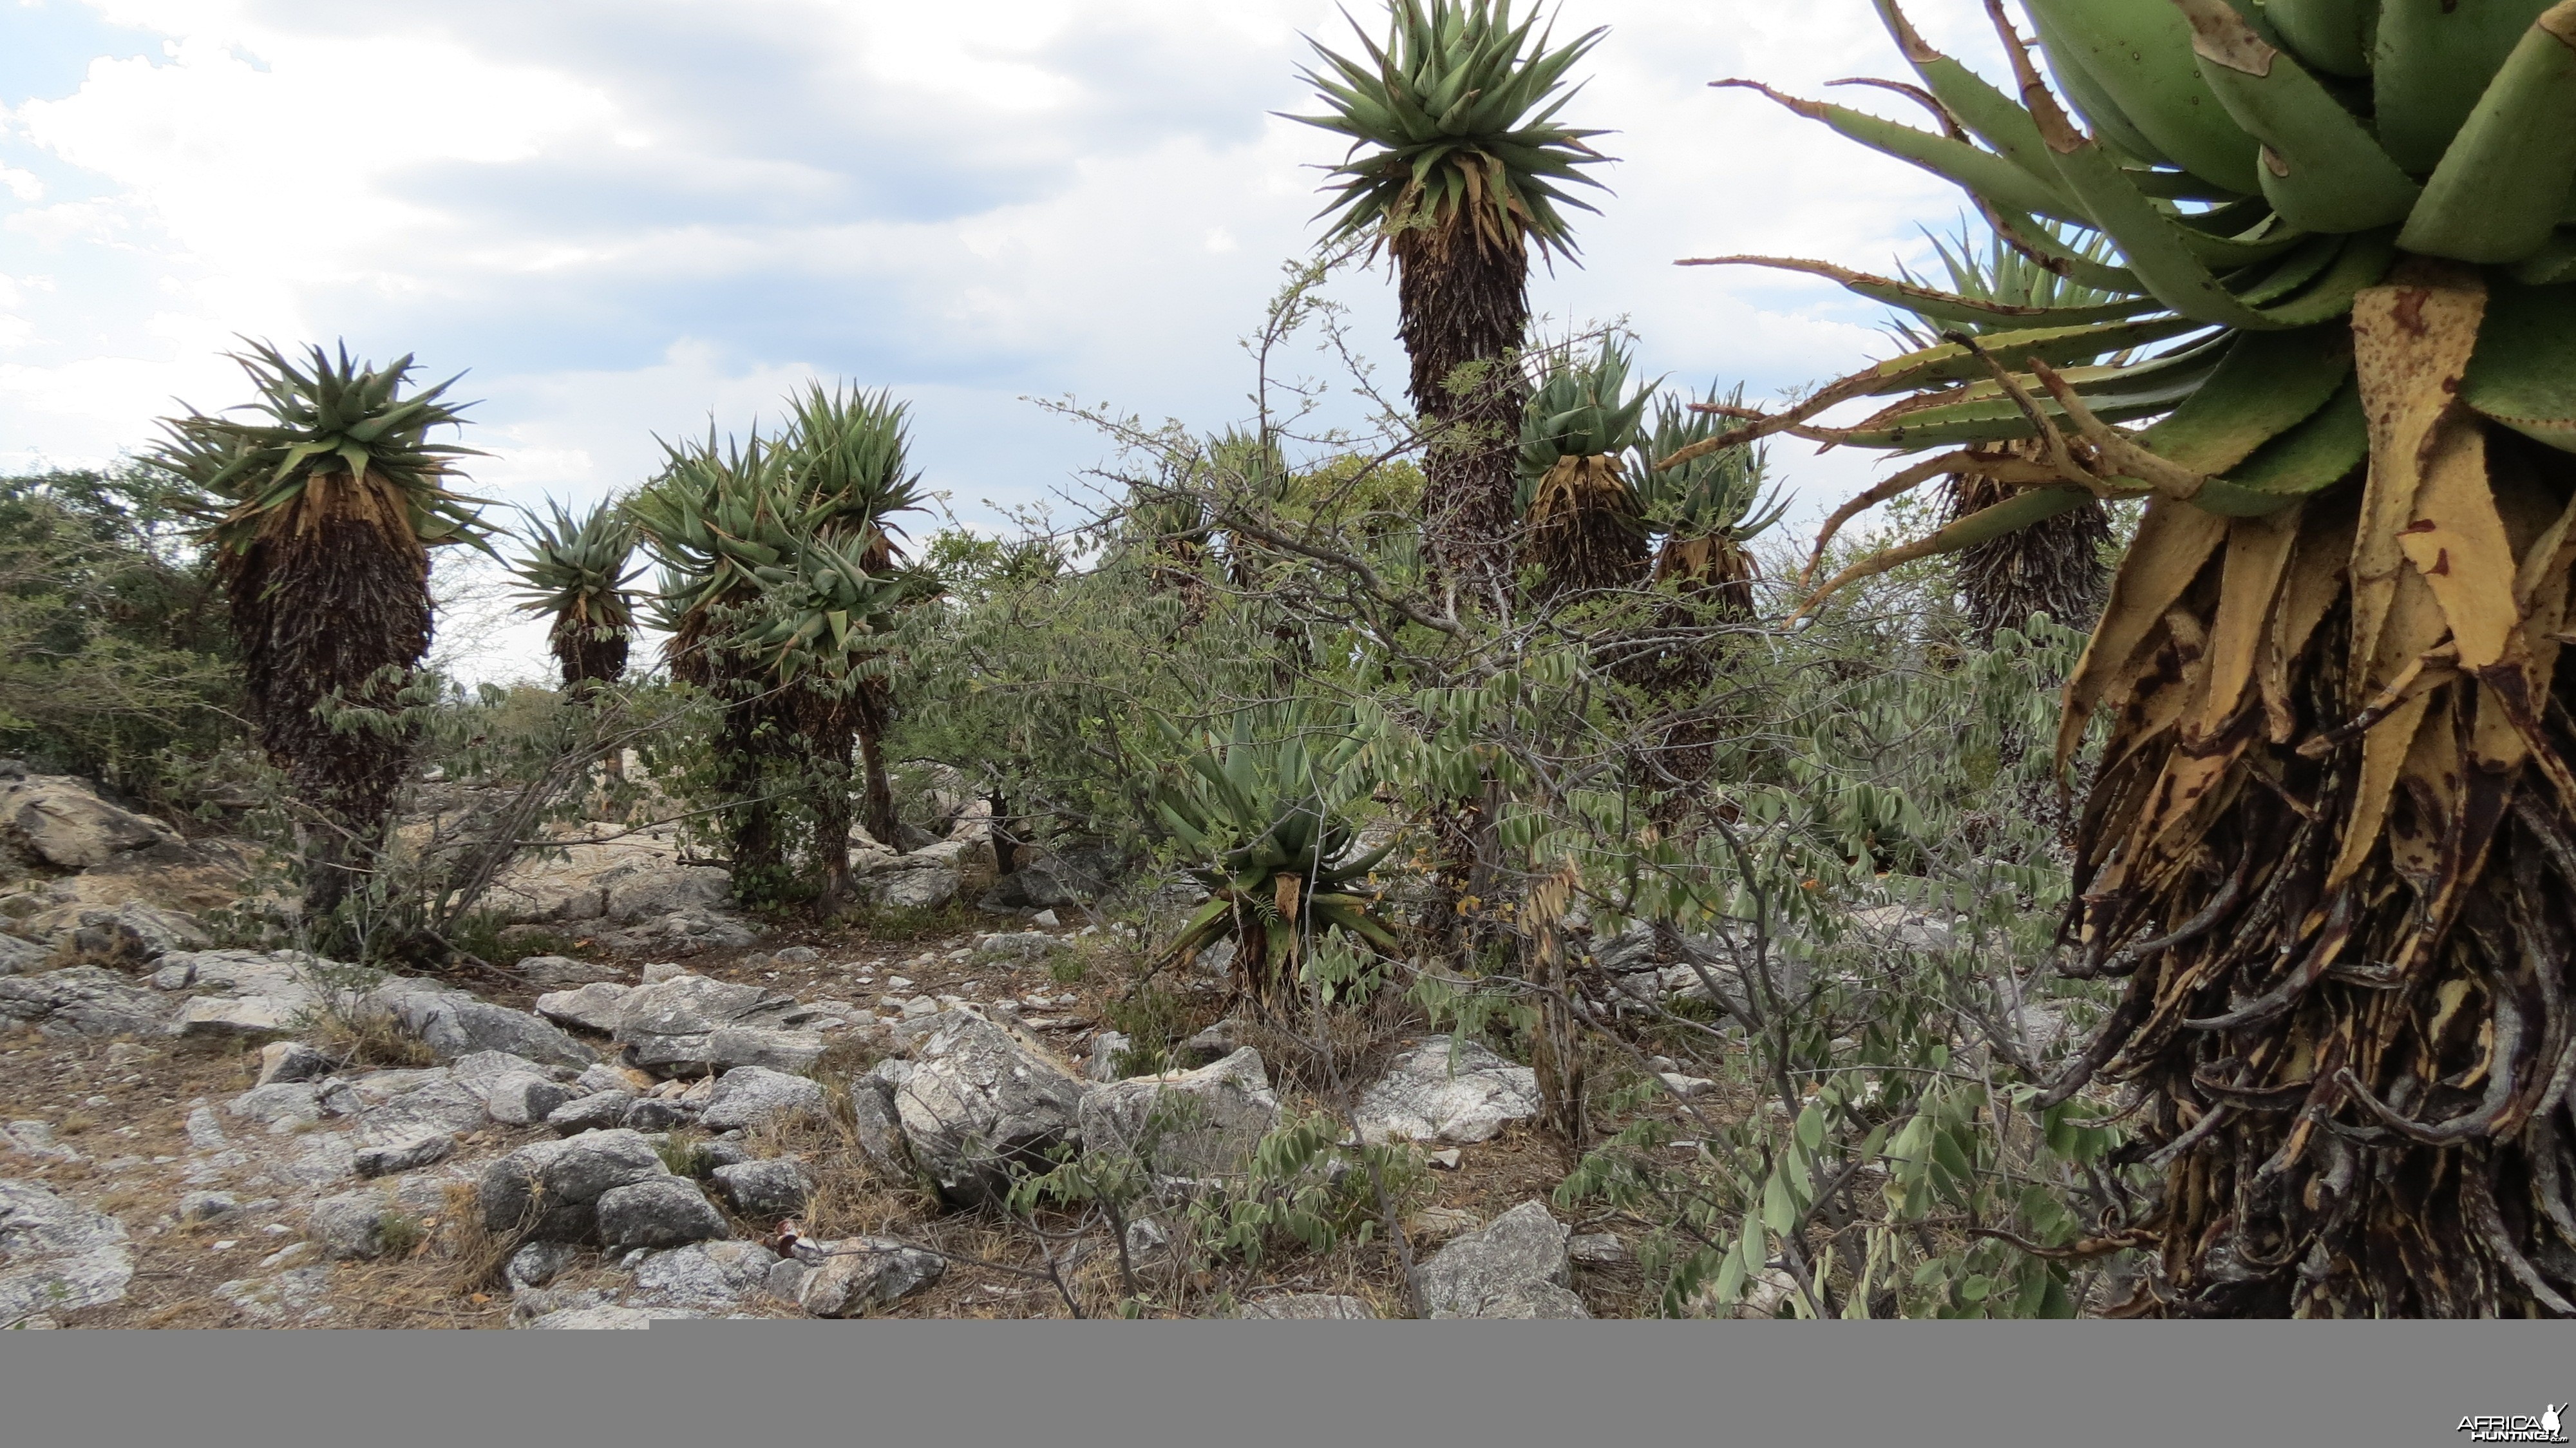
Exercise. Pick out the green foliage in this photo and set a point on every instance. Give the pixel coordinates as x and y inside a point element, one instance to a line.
<point>1457,111</point>
<point>1305,1187</point>
<point>1271,819</point>
<point>114,659</point>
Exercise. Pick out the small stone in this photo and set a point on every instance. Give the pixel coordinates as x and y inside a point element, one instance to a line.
<point>1106,1048</point>
<point>1045,919</point>
<point>662,970</point>
<point>1514,1267</point>
<point>785,1276</point>
<point>292,1255</point>
<point>596,1112</point>
<point>1447,1158</point>
<point>749,1095</point>
<point>291,1061</point>
<point>523,1098</point>
<point>352,1224</point>
<point>1308,1306</point>
<point>1688,1088</point>
<point>539,1263</point>
<point>662,1212</point>
<point>797,955</point>
<point>1596,1247</point>
<point>705,1274</point>
<point>864,1272</point>
<point>765,1191</point>
<point>593,1007</point>
<point>550,1189</point>
<point>595,1319</point>
<point>207,1206</point>
<point>410,1154</point>
<point>654,1114</point>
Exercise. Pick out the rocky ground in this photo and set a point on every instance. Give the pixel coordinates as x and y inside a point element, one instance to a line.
<point>676,1111</point>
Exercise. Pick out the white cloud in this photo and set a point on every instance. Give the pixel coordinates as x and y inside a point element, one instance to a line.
<point>624,217</point>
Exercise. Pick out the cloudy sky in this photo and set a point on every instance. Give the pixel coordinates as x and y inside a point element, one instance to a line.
<point>628,218</point>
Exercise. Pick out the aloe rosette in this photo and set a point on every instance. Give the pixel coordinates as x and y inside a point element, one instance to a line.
<point>2329,843</point>
<point>1271,817</point>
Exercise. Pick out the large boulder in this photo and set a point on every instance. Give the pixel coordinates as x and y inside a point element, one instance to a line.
<point>57,1255</point>
<point>1195,1124</point>
<point>189,875</point>
<point>688,1025</point>
<point>634,877</point>
<point>1049,879</point>
<point>453,1023</point>
<point>922,880</point>
<point>593,1007</point>
<point>863,1272</point>
<point>132,932</point>
<point>551,1189</point>
<point>662,1211</point>
<point>682,932</point>
<point>749,1095</point>
<point>1513,1266</point>
<point>563,970</point>
<point>55,820</point>
<point>1427,1095</point>
<point>980,1099</point>
<point>81,1001</point>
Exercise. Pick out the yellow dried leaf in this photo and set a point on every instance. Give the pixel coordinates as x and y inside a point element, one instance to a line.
<point>2418,838</point>
<point>2415,624</point>
<point>2248,582</point>
<point>2457,541</point>
<point>2315,579</point>
<point>2412,339</point>
<point>2174,540</point>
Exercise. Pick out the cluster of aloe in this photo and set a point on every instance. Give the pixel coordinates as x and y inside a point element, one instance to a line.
<point>1269,809</point>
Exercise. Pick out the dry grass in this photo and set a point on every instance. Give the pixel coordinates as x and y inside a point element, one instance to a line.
<point>367,1038</point>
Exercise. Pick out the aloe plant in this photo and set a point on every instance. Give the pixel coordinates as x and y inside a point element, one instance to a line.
<point>2329,845</point>
<point>1459,165</point>
<point>321,508</point>
<point>1586,528</point>
<point>1271,818</point>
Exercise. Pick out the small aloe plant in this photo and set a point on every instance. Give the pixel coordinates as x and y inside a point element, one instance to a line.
<point>1272,818</point>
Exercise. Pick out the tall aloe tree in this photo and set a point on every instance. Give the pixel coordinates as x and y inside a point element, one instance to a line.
<point>847,476</point>
<point>702,519</point>
<point>577,570</point>
<point>1458,166</point>
<point>1584,525</point>
<point>2332,845</point>
<point>321,507</point>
